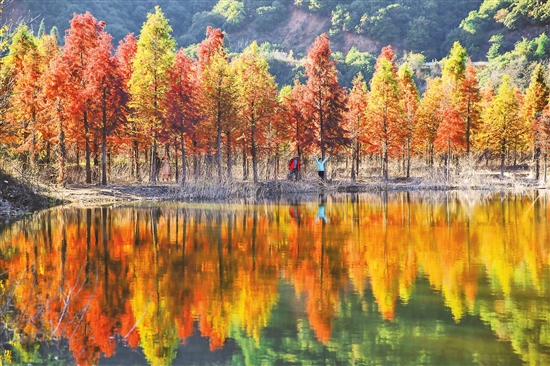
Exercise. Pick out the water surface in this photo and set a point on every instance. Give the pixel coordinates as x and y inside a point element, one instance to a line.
<point>427,279</point>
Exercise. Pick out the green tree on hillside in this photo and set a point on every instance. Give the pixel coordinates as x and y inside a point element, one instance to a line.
<point>233,11</point>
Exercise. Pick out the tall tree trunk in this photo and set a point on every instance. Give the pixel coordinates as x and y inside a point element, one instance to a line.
<point>468,121</point>
<point>136,159</point>
<point>176,169</point>
<point>448,159</point>
<point>132,164</point>
<point>385,149</point>
<point>48,152</point>
<point>357,160</point>
<point>502,157</point>
<point>153,175</point>
<point>299,173</point>
<point>219,142</point>
<point>253,151</point>
<point>353,155</point>
<point>322,127</point>
<point>34,155</point>
<point>96,151</point>
<point>536,157</point>
<point>62,154</point>
<point>229,157</point>
<point>408,172</point>
<point>104,156</point>
<point>245,165</point>
<point>146,155</point>
<point>88,152</point>
<point>104,144</point>
<point>385,164</point>
<point>195,160</point>
<point>183,161</point>
<point>545,163</point>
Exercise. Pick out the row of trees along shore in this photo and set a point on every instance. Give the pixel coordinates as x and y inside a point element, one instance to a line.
<point>212,112</point>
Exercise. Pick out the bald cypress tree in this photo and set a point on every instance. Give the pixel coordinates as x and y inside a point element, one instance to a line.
<point>150,79</point>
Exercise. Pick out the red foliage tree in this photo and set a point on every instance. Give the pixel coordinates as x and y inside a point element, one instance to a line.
<point>80,41</point>
<point>541,129</point>
<point>295,119</point>
<point>182,99</point>
<point>468,105</point>
<point>325,99</point>
<point>57,93</point>
<point>125,53</point>
<point>211,45</point>
<point>106,82</point>
<point>450,133</point>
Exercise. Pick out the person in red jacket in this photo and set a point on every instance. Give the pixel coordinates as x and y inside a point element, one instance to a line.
<point>294,167</point>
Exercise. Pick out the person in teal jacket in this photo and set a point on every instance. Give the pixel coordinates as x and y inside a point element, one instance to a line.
<point>321,167</point>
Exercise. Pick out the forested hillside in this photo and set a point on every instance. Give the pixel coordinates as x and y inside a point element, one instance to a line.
<point>425,26</point>
<point>419,30</point>
<point>421,26</point>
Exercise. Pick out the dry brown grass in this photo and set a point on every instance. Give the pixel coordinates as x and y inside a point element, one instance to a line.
<point>469,175</point>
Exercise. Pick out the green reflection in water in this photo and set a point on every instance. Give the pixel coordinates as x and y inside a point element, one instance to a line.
<point>355,279</point>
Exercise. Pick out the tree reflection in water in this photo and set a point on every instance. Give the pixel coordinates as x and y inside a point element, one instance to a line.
<point>375,279</point>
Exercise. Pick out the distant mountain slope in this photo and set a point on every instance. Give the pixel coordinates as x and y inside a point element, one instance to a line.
<point>427,26</point>
<point>510,34</point>
<point>299,30</point>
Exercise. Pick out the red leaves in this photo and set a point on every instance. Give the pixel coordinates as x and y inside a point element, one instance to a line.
<point>212,44</point>
<point>182,97</point>
<point>324,100</point>
<point>541,129</point>
<point>450,133</point>
<point>387,53</point>
<point>125,54</point>
<point>230,107</point>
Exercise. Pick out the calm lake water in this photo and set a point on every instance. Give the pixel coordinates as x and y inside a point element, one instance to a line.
<point>410,279</point>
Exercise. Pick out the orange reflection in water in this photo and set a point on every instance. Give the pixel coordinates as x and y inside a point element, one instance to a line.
<point>148,275</point>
